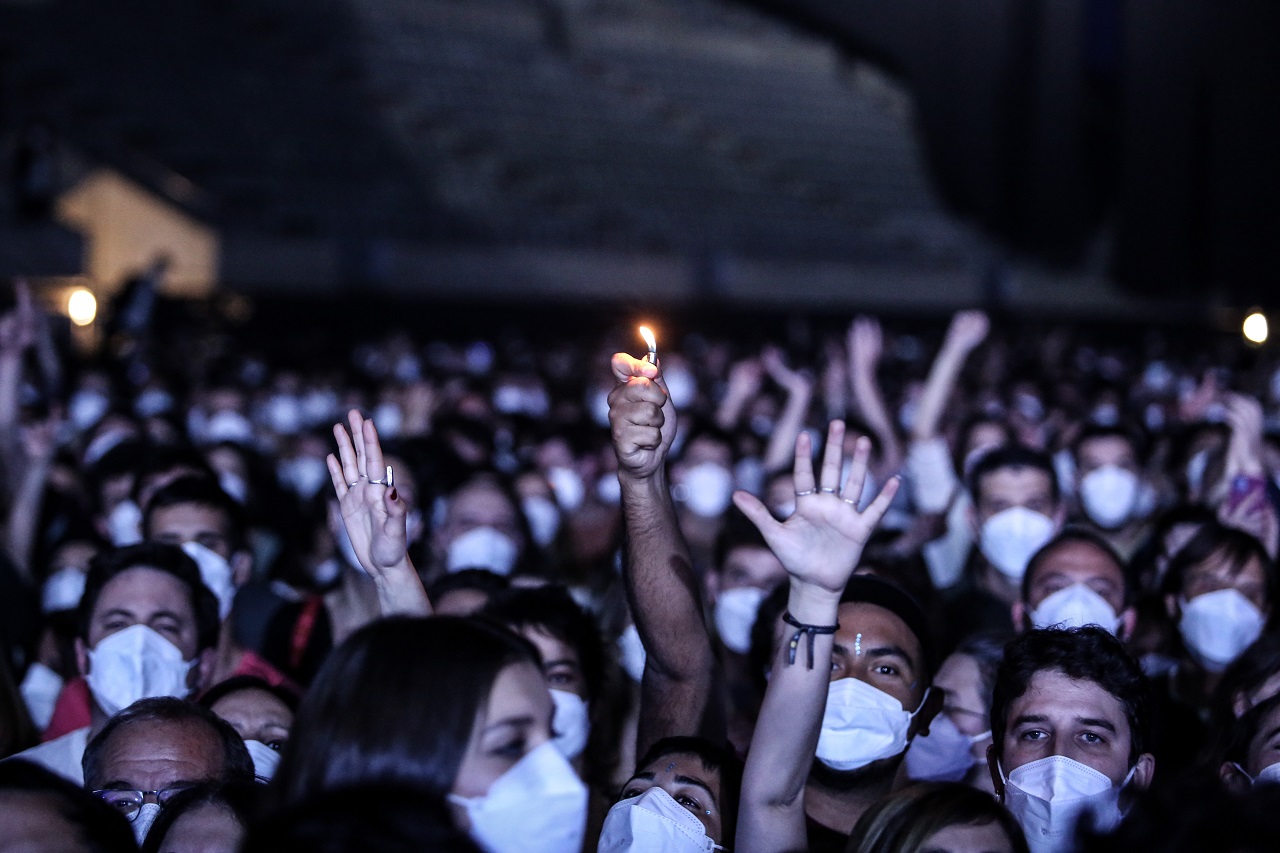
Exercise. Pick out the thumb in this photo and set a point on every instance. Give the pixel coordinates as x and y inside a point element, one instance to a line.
<point>755,512</point>
<point>625,367</point>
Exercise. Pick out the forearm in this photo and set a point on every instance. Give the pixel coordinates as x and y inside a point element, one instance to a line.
<point>400,591</point>
<point>870,404</point>
<point>10,380</point>
<point>771,814</point>
<point>783,441</point>
<point>732,405</point>
<point>938,388</point>
<point>24,516</point>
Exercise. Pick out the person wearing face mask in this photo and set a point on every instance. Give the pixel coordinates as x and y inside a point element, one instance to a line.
<point>955,747</point>
<point>482,528</point>
<point>1218,591</point>
<point>582,679</point>
<point>147,627</point>
<point>154,749</point>
<point>195,514</point>
<point>1016,510</point>
<point>1252,756</point>
<point>850,681</point>
<point>1076,579</point>
<point>702,485</point>
<point>1109,486</point>
<point>456,707</point>
<point>681,799</point>
<point>260,712</point>
<point>1070,733</point>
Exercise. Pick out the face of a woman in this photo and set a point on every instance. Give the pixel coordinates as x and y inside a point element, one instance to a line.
<point>689,784</point>
<point>968,838</point>
<point>516,720</point>
<point>560,664</point>
<point>256,715</point>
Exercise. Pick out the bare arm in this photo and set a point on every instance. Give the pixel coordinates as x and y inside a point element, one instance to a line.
<point>743,386</point>
<point>376,517</point>
<point>680,666</point>
<point>865,345</point>
<point>39,442</point>
<point>820,545</point>
<point>967,330</point>
<point>799,388</point>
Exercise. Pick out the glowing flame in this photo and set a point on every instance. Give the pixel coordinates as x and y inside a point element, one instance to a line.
<point>647,334</point>
<point>82,308</point>
<point>1255,328</point>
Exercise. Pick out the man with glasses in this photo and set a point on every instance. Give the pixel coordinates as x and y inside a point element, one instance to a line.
<point>154,749</point>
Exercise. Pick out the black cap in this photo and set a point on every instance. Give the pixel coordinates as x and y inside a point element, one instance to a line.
<point>869,589</point>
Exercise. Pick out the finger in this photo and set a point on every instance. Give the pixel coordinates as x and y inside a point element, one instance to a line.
<point>853,487</point>
<point>802,473</point>
<point>347,453</point>
<point>640,414</point>
<point>880,505</point>
<point>397,511</point>
<point>756,513</point>
<point>336,476</point>
<point>625,367</point>
<point>832,456</point>
<point>638,438</point>
<point>357,435</point>
<point>639,390</point>
<point>377,469</point>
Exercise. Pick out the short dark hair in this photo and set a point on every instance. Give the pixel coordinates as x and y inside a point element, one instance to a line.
<point>1246,729</point>
<point>1212,538</point>
<point>1093,432</point>
<point>101,828</point>
<point>903,821</point>
<point>870,589</point>
<point>237,765</point>
<point>1076,536</point>
<point>199,491</point>
<point>480,580</point>
<point>1013,456</point>
<point>397,702</point>
<point>721,760</point>
<point>1082,654</point>
<point>242,799</point>
<point>239,683</point>
<point>169,559</point>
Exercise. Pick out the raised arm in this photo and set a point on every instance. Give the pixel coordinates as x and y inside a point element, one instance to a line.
<point>799,388</point>
<point>819,545</point>
<point>968,329</point>
<point>375,516</point>
<point>866,342</point>
<point>39,441</point>
<point>666,601</point>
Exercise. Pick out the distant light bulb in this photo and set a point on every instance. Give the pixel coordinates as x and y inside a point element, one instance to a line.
<point>1255,328</point>
<point>82,308</point>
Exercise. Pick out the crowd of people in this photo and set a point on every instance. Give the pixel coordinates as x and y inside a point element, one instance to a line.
<point>875,591</point>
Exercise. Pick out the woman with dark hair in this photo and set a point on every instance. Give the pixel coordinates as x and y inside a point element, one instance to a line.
<point>454,706</point>
<point>205,818</point>
<point>937,816</point>
<point>260,713</point>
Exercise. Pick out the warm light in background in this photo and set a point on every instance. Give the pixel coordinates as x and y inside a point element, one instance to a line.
<point>82,307</point>
<point>1255,328</point>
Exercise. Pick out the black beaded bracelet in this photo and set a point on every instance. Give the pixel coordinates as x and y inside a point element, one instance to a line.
<point>801,628</point>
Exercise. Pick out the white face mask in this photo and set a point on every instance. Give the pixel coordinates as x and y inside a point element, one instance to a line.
<point>124,524</point>
<point>142,821</point>
<point>945,754</point>
<point>861,724</point>
<point>63,590</point>
<point>571,723</point>
<point>40,689</point>
<point>681,386</point>
<point>653,823</point>
<point>735,615</point>
<point>609,490</point>
<point>1048,797</point>
<point>1218,626</point>
<point>632,653</point>
<point>1109,495</point>
<point>482,548</point>
<point>544,518</point>
<point>567,486</point>
<point>538,806</point>
<point>136,663</point>
<point>236,487</point>
<point>1074,607</point>
<point>1269,775</point>
<point>151,402</point>
<point>389,419</point>
<point>1009,538</point>
<point>216,574</point>
<point>86,408</point>
<point>305,476</point>
<point>229,426</point>
<point>283,414</point>
<point>265,759</point>
<point>707,489</point>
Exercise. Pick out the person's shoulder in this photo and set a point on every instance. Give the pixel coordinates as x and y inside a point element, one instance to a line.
<point>62,755</point>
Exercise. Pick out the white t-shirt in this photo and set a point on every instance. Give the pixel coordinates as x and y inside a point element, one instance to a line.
<point>61,755</point>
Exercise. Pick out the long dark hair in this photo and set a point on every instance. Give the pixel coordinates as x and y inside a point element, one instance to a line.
<point>398,701</point>
<point>904,821</point>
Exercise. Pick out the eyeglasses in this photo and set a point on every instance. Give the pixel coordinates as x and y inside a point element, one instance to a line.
<point>129,803</point>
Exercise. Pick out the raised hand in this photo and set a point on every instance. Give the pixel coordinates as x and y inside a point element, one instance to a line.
<point>641,416</point>
<point>822,541</point>
<point>374,513</point>
<point>866,343</point>
<point>967,331</point>
<point>793,381</point>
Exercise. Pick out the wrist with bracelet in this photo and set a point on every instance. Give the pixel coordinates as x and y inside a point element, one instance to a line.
<point>802,629</point>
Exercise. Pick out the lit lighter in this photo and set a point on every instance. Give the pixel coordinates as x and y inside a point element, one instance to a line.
<point>652,344</point>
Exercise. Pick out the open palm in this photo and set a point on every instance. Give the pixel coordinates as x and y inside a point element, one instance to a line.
<point>374,515</point>
<point>822,541</point>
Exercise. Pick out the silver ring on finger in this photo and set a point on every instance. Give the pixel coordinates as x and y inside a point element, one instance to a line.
<point>827,490</point>
<point>805,493</point>
<point>352,485</point>
<point>388,482</point>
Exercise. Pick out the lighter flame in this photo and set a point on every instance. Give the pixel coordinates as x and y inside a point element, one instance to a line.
<point>648,338</point>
